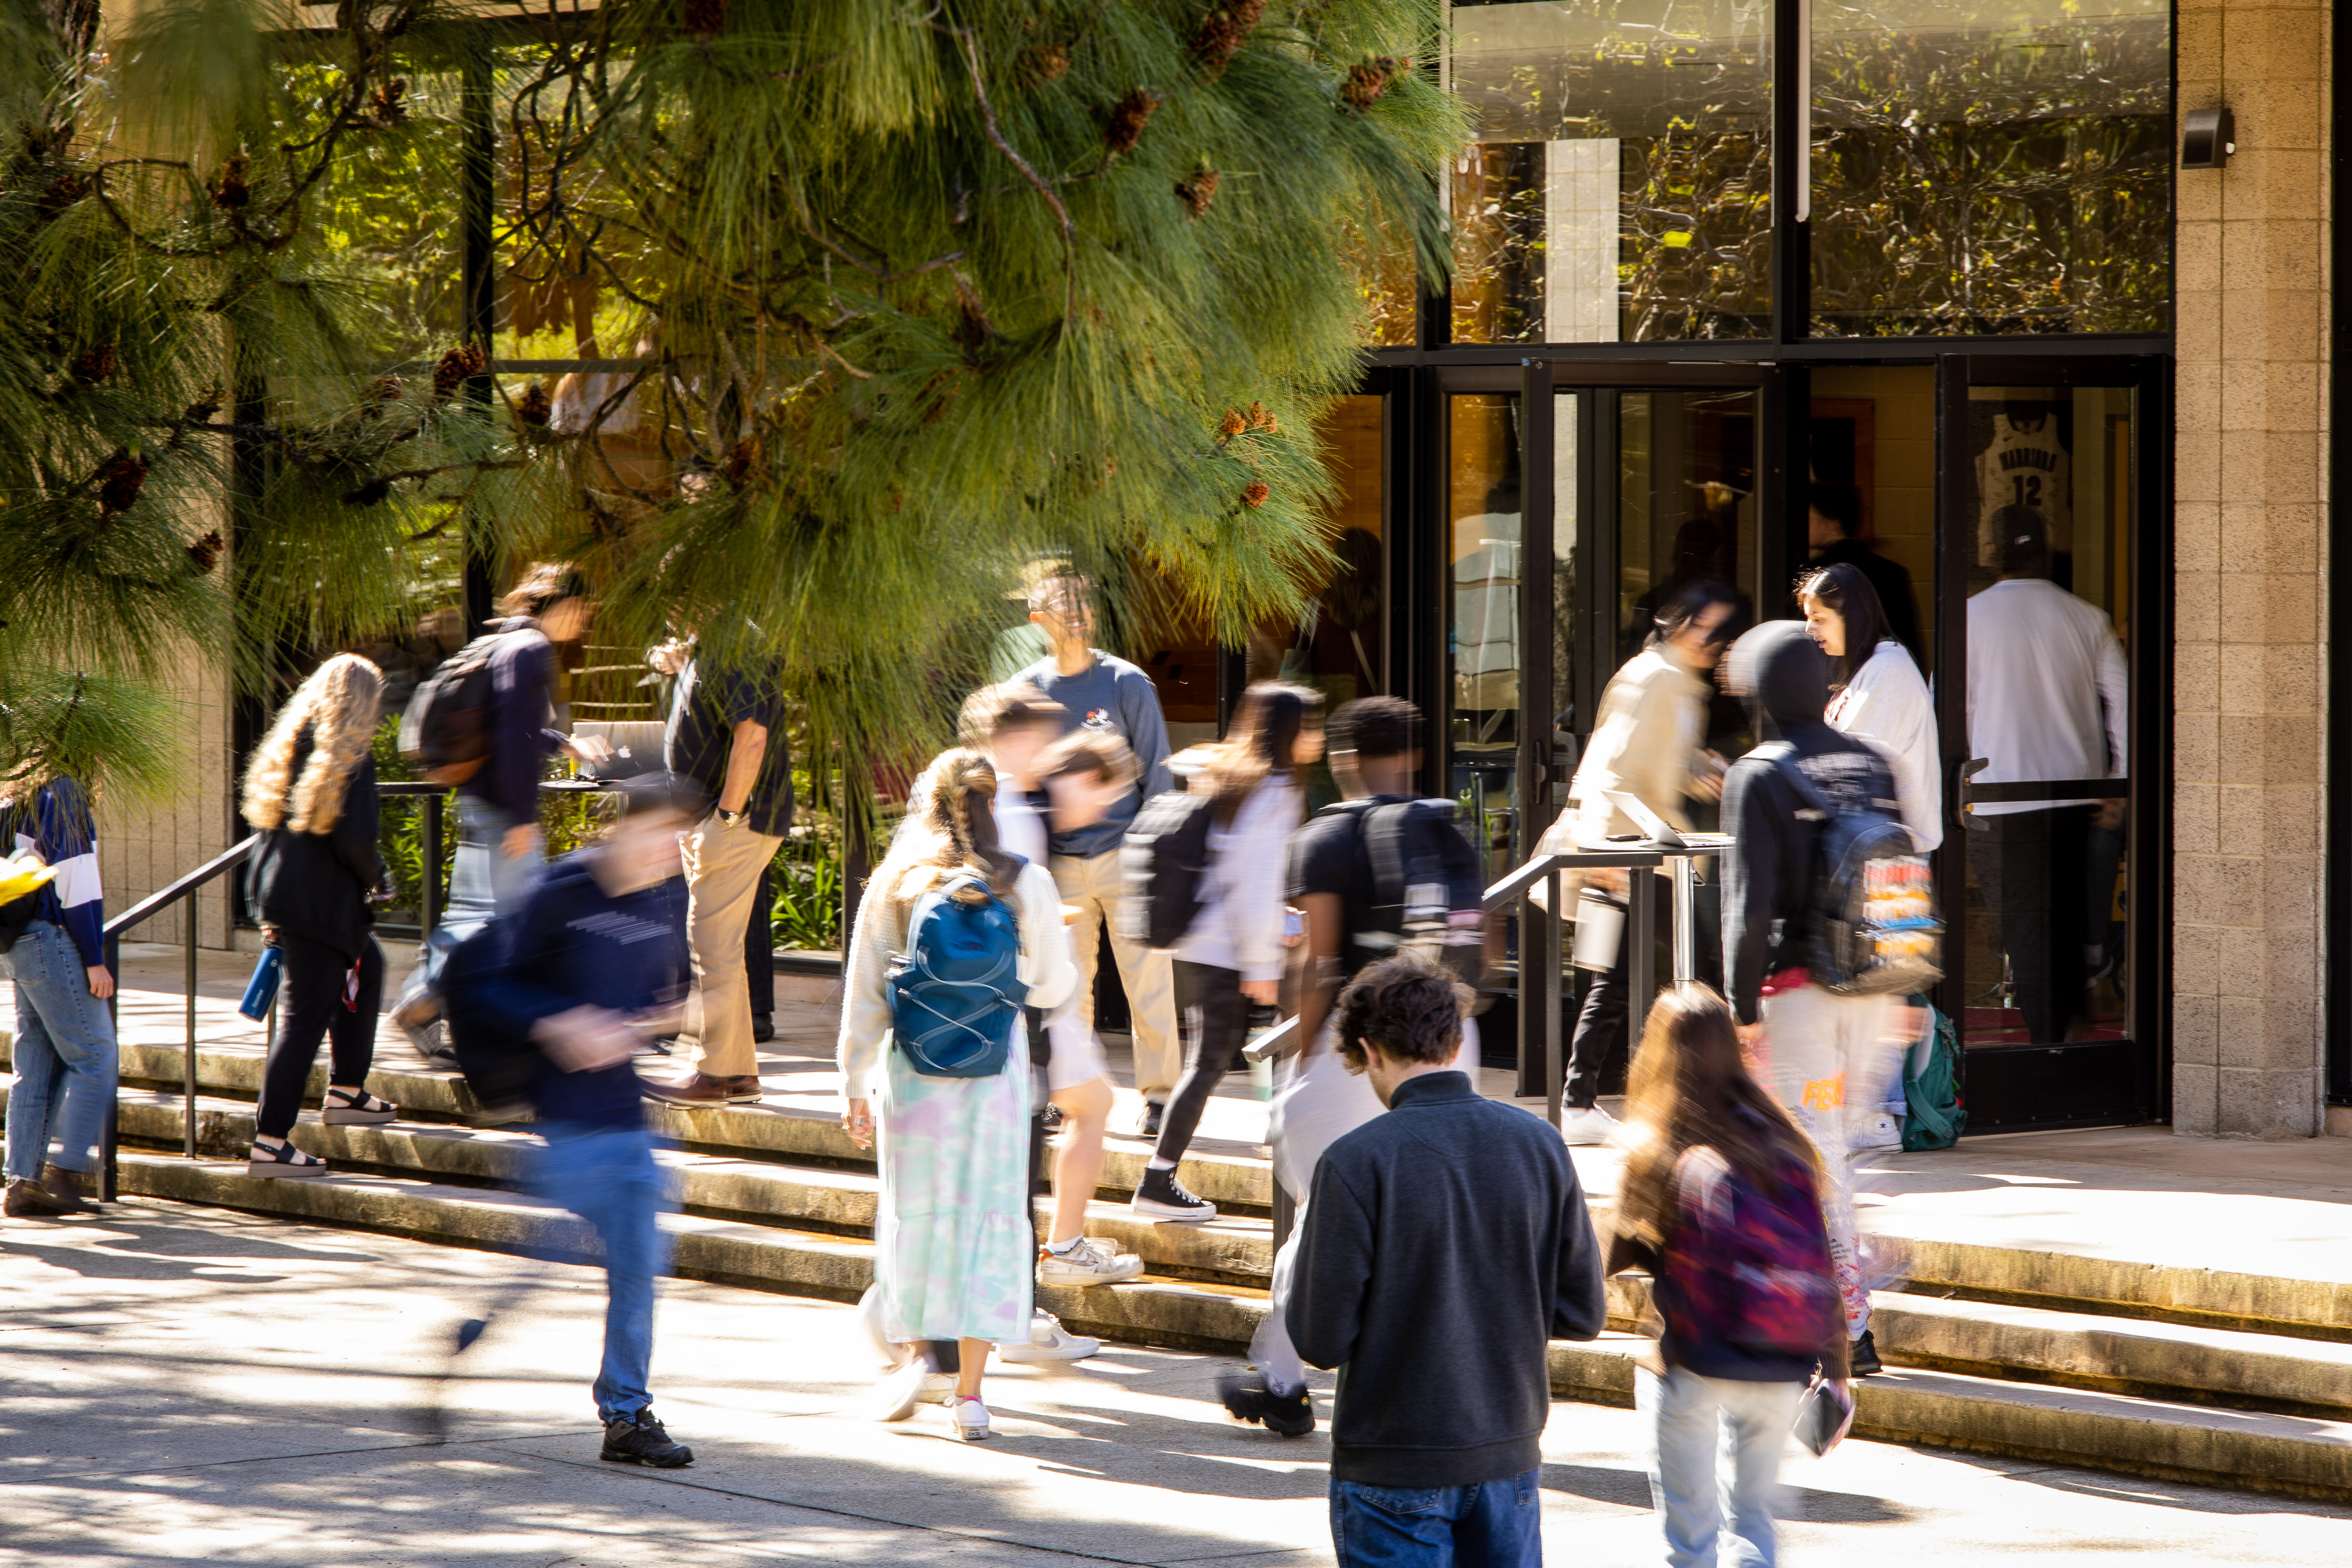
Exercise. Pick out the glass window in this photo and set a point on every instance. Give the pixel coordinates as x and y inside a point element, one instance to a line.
<point>1987,166</point>
<point>1483,635</point>
<point>1618,186</point>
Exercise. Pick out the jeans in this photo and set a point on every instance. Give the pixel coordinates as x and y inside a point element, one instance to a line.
<point>485,881</point>
<point>1693,1418</point>
<point>65,1055</point>
<point>311,1009</point>
<point>607,1176</point>
<point>1213,1020</point>
<point>1493,1524</point>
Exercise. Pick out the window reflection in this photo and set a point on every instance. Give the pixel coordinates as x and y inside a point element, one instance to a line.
<point>1618,190</point>
<point>1988,166</point>
<point>1483,637</point>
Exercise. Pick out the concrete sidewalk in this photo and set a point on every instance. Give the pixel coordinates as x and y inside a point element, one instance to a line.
<point>186,1384</point>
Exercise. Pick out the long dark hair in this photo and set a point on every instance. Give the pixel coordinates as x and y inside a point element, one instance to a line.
<point>1840,587</point>
<point>1266,727</point>
<point>1687,601</point>
<point>1689,1086</point>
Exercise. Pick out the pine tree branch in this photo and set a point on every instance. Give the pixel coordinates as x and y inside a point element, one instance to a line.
<point>969,39</point>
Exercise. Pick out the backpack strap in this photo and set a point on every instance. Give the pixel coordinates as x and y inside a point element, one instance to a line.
<point>1783,758</point>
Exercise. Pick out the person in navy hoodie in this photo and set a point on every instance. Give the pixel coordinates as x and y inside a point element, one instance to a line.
<point>591,968</point>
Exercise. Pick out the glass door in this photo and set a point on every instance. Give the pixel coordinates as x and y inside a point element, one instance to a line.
<point>2049,690</point>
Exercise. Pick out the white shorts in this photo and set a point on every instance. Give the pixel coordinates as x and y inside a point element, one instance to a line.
<point>1074,1054</point>
<point>1320,1102</point>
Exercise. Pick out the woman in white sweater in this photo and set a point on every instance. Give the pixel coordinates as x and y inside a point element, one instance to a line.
<point>1875,691</point>
<point>952,1234</point>
<point>1232,955</point>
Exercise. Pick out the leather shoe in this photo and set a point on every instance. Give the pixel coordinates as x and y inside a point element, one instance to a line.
<point>59,1192</point>
<point>704,1091</point>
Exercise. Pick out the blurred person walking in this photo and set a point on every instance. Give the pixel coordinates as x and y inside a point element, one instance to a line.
<point>954,1237</point>
<point>313,882</point>
<point>1720,1203</point>
<point>1877,693</point>
<point>1444,1246</point>
<point>1101,692</point>
<point>590,969</point>
<point>1819,1051</point>
<point>1233,954</point>
<point>64,1056</point>
<point>727,733</point>
<point>1648,741</point>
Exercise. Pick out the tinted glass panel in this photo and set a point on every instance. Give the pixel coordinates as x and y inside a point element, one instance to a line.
<point>1618,190</point>
<point>1986,166</point>
<point>1483,633</point>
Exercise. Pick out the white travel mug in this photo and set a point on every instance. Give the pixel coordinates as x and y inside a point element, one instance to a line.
<point>1600,930</point>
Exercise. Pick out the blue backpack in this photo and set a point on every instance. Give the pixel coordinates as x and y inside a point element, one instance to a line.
<point>956,992</point>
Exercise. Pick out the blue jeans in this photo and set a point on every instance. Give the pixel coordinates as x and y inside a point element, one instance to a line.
<point>1494,1524</point>
<point>1694,1419</point>
<point>65,1055</point>
<point>607,1176</point>
<point>484,881</point>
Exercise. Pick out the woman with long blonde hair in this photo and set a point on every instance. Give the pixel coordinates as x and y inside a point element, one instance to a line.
<point>954,1237</point>
<point>311,795</point>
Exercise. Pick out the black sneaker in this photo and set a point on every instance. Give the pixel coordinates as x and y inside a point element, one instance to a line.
<point>638,1439</point>
<point>1862,1358</point>
<point>1291,1415</point>
<point>1160,1195</point>
<point>1153,1111</point>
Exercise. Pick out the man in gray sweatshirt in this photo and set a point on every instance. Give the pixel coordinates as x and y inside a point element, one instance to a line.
<point>1098,690</point>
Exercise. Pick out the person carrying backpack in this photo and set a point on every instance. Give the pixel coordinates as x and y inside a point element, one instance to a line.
<point>1821,1042</point>
<point>954,938</point>
<point>1721,1202</point>
<point>1231,954</point>
<point>1380,870</point>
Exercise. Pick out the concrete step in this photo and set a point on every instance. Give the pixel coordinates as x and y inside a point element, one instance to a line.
<point>1236,1249</point>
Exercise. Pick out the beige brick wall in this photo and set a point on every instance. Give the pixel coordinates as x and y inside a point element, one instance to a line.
<point>2249,542</point>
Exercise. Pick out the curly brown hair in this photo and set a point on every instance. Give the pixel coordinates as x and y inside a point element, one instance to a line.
<point>1409,1005</point>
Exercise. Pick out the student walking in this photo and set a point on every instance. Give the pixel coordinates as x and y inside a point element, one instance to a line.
<point>954,1237</point>
<point>313,880</point>
<point>64,1057</point>
<point>1877,693</point>
<point>1721,1203</point>
<point>1233,954</point>
<point>1099,692</point>
<point>499,847</point>
<point>592,968</point>
<point>727,733</point>
<point>1444,1246</point>
<point>1821,1050</point>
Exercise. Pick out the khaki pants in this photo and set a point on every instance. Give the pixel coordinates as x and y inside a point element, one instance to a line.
<point>722,877</point>
<point>1093,885</point>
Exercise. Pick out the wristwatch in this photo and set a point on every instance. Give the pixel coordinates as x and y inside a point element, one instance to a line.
<point>728,818</point>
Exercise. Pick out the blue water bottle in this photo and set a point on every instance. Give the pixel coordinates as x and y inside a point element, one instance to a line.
<point>262,989</point>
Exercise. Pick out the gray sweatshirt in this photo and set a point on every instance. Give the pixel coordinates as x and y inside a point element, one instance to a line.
<point>1115,696</point>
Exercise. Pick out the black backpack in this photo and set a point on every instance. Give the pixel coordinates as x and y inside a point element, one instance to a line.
<point>445,733</point>
<point>1426,888</point>
<point>1160,867</point>
<point>1873,901</point>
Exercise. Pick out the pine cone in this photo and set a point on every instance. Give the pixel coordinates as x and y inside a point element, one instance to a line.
<point>1126,120</point>
<point>535,407</point>
<point>1040,64</point>
<point>739,461</point>
<point>705,17</point>
<point>94,365</point>
<point>206,552</point>
<point>1366,83</point>
<point>1253,494</point>
<point>369,494</point>
<point>118,482</point>
<point>1222,31</point>
<point>456,366</point>
<point>1231,424</point>
<point>230,192</point>
<point>973,329</point>
<point>1197,191</point>
<point>62,194</point>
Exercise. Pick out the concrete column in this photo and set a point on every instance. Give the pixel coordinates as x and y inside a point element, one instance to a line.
<point>2249,543</point>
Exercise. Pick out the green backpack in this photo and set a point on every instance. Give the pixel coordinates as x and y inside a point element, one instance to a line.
<point>1933,1117</point>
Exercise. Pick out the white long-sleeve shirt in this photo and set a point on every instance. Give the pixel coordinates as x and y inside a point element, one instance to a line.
<point>1887,704</point>
<point>880,931</point>
<point>1240,923</point>
<point>2046,689</point>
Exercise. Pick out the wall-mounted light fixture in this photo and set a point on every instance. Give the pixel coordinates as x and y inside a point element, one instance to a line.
<point>2207,137</point>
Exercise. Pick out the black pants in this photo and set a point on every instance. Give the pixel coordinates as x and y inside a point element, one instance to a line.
<point>1213,1022</point>
<point>1600,1036</point>
<point>309,1009</point>
<point>760,947</point>
<point>2030,868</point>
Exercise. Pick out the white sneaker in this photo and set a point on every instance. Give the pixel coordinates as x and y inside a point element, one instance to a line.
<point>1087,1263</point>
<point>896,1396</point>
<point>1048,1341</point>
<point>970,1418</point>
<point>1588,1128</point>
<point>869,1317</point>
<point>1875,1130</point>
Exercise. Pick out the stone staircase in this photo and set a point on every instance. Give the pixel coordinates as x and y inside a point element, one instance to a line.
<point>2045,1352</point>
